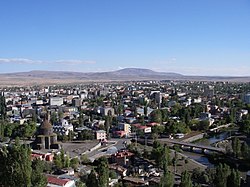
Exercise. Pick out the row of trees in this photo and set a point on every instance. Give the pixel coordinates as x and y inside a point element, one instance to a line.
<point>14,130</point>
<point>240,149</point>
<point>245,125</point>
<point>99,176</point>
<point>62,160</point>
<point>185,122</point>
<point>224,176</point>
<point>221,176</point>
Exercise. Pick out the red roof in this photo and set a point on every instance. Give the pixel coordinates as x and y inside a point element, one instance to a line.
<point>136,125</point>
<point>57,181</point>
<point>142,127</point>
<point>123,154</point>
<point>153,124</point>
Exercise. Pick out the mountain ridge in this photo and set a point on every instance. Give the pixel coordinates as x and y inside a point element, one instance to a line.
<point>126,74</point>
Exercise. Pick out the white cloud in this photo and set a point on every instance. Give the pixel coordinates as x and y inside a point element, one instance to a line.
<point>30,61</point>
<point>19,61</point>
<point>75,62</point>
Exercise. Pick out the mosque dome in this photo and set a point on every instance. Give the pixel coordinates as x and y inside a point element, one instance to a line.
<point>46,128</point>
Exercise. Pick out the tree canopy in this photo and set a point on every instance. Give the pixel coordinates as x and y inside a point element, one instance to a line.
<point>17,169</point>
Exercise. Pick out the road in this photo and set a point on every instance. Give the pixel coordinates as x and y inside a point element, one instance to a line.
<point>105,150</point>
<point>210,148</point>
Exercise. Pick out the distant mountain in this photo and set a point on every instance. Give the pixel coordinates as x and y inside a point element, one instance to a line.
<point>127,74</point>
<point>143,72</point>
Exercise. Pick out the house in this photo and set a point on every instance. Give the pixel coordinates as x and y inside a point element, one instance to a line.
<point>142,128</point>
<point>105,111</point>
<point>57,182</point>
<point>56,101</point>
<point>63,127</point>
<point>118,169</point>
<point>101,135</point>
<point>42,156</point>
<point>122,158</point>
<point>125,127</point>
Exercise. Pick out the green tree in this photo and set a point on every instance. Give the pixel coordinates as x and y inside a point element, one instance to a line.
<point>60,115</point>
<point>175,161</point>
<point>156,116</point>
<point>74,163</point>
<point>112,174</point>
<point>29,129</point>
<point>245,127</point>
<point>236,146</point>
<point>15,166</point>
<point>61,160</point>
<point>9,128</point>
<point>102,170</point>
<point>92,179</point>
<point>186,179</point>
<point>234,179</point>
<point>71,135</point>
<point>2,115</point>
<point>53,118</point>
<point>145,110</point>
<point>156,153</point>
<point>67,161</point>
<point>84,159</point>
<point>85,135</point>
<point>161,155</point>
<point>57,161</point>
<point>245,150</point>
<point>120,109</point>
<point>158,129</point>
<point>167,180</point>
<point>177,127</point>
<point>80,119</point>
<point>221,175</point>
<point>2,108</point>
<point>38,179</point>
<point>203,125</point>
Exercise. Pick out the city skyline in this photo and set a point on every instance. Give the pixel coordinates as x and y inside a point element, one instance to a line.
<point>191,38</point>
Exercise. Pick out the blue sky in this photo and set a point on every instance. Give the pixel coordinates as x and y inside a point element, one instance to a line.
<point>192,37</point>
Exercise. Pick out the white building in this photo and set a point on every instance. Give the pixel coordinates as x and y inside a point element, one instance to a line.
<point>125,127</point>
<point>63,127</point>
<point>56,101</point>
<point>101,135</point>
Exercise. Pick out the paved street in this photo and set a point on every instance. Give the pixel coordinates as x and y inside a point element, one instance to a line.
<point>117,143</point>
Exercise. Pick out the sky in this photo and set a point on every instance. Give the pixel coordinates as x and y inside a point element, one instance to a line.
<point>191,37</point>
